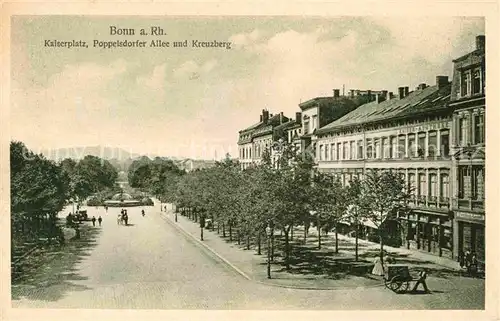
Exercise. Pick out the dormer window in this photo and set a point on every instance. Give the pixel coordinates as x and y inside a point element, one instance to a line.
<point>471,82</point>
<point>465,83</point>
<point>476,81</point>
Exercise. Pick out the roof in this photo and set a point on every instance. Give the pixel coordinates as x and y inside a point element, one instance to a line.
<point>418,101</point>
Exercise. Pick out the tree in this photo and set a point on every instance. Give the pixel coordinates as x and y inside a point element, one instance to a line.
<point>356,211</point>
<point>384,192</point>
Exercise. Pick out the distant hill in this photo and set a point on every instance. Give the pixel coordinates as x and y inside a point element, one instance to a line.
<point>80,152</point>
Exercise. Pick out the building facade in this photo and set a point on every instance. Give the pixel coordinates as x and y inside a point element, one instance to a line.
<point>256,139</point>
<point>409,134</point>
<point>468,148</point>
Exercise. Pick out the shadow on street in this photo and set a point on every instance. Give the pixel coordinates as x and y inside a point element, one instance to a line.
<point>48,274</point>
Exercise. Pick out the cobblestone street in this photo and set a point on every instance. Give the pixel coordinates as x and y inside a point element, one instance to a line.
<point>152,265</point>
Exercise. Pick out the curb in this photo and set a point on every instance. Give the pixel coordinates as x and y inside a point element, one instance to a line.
<point>179,228</point>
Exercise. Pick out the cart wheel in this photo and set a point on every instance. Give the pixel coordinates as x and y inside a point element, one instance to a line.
<point>395,284</point>
<point>404,287</point>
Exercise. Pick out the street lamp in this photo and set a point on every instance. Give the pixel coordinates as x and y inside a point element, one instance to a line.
<point>268,233</point>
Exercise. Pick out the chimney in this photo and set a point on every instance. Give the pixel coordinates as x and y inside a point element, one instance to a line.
<point>261,118</point>
<point>401,92</point>
<point>265,116</point>
<point>390,95</point>
<point>378,98</point>
<point>407,91</point>
<point>352,93</point>
<point>298,117</point>
<point>441,81</point>
<point>281,118</point>
<point>336,93</point>
<point>384,94</point>
<point>369,94</point>
<point>422,86</point>
<point>480,42</point>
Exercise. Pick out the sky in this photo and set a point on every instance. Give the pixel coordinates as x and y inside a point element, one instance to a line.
<point>191,102</point>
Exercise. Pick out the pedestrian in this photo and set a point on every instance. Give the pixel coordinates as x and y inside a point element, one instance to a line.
<point>93,220</point>
<point>119,219</point>
<point>378,269</point>
<point>473,264</point>
<point>468,259</point>
<point>165,208</point>
<point>106,208</point>
<point>99,220</point>
<point>461,259</point>
<point>422,275</point>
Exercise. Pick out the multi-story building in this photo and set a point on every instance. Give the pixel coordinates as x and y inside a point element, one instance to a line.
<point>254,140</point>
<point>320,111</point>
<point>468,148</point>
<point>409,134</point>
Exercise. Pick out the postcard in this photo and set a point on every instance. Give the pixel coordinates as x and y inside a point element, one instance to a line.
<point>255,162</point>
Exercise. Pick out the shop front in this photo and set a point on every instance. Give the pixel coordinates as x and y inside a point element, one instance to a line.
<point>429,232</point>
<point>470,233</point>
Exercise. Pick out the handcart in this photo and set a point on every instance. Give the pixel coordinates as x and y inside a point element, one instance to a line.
<point>397,277</point>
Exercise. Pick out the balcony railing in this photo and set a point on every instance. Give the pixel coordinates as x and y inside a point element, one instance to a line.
<point>444,200</point>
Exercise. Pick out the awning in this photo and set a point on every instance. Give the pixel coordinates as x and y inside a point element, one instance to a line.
<point>369,223</point>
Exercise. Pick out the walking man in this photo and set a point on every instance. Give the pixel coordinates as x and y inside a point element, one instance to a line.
<point>93,220</point>
<point>99,220</point>
<point>422,275</point>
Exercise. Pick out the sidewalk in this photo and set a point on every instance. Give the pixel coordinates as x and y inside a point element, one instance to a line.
<point>253,266</point>
<point>412,254</point>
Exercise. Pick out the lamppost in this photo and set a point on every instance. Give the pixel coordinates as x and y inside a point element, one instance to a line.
<point>268,233</point>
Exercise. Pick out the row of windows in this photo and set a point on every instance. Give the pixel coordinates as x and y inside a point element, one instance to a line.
<point>387,147</point>
<point>437,186</point>
<point>258,149</point>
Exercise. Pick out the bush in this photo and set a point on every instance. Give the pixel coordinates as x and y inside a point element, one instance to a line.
<point>147,202</point>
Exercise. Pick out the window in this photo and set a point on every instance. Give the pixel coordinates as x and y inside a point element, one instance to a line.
<point>377,148</point>
<point>314,124</point>
<point>432,143</point>
<point>422,187</point>
<point>306,127</point>
<point>394,147</point>
<point>476,82</point>
<point>327,152</point>
<point>477,183</point>
<point>445,143</point>
<point>386,148</point>
<point>332,151</point>
<point>479,129</point>
<point>339,147</point>
<point>360,149</point>
<point>463,176</point>
<point>352,149</point>
<point>411,184</point>
<point>463,130</point>
<point>411,145</point>
<point>401,146</point>
<point>421,145</point>
<point>445,185</point>
<point>345,152</point>
<point>321,151</point>
<point>433,185</point>
<point>369,149</point>
<point>465,83</point>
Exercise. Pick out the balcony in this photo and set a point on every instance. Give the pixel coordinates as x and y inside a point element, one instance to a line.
<point>469,204</point>
<point>444,200</point>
